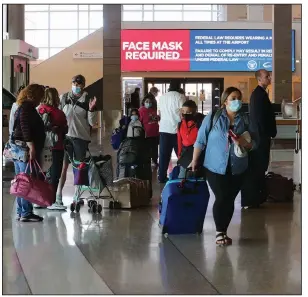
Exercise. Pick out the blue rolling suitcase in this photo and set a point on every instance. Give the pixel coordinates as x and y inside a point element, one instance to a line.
<point>183,206</point>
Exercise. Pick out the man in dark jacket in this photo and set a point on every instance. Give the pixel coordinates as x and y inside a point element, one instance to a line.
<point>135,99</point>
<point>263,124</point>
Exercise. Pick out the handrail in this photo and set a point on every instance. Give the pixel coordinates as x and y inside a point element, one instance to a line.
<point>298,99</point>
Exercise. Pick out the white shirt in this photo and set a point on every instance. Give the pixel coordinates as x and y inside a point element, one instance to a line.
<point>170,105</point>
<point>12,117</point>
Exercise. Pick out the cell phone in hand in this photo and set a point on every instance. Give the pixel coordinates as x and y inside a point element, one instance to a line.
<point>233,135</point>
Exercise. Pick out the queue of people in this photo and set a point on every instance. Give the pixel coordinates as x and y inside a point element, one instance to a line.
<point>232,147</point>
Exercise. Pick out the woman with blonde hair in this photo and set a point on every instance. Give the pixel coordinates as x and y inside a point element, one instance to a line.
<point>28,137</point>
<point>58,125</point>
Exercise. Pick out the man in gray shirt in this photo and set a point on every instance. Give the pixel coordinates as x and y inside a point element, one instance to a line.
<point>81,115</point>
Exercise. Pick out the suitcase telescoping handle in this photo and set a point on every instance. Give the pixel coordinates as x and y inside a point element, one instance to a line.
<point>189,169</point>
<point>297,140</point>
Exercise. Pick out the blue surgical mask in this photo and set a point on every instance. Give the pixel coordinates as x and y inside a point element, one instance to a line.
<point>134,118</point>
<point>76,90</point>
<point>235,105</point>
<point>147,105</point>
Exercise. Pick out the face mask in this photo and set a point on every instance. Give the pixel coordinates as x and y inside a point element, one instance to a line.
<point>188,117</point>
<point>134,118</point>
<point>148,105</point>
<point>235,105</point>
<point>76,90</point>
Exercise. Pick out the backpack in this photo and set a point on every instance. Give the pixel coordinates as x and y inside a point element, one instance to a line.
<point>84,105</point>
<point>119,134</point>
<point>51,138</point>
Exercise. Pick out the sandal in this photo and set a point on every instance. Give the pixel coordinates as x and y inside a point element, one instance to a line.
<point>222,239</point>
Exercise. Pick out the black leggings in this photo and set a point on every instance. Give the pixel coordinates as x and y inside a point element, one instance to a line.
<point>56,167</point>
<point>226,188</point>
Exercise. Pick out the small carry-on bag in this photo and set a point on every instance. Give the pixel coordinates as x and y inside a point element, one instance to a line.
<point>279,188</point>
<point>32,188</point>
<point>183,207</point>
<point>297,162</point>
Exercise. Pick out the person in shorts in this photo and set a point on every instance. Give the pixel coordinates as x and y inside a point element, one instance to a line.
<point>81,115</point>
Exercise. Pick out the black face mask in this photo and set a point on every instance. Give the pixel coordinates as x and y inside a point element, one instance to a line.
<point>188,117</point>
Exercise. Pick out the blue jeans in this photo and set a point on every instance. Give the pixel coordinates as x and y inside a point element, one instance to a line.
<point>24,207</point>
<point>167,143</point>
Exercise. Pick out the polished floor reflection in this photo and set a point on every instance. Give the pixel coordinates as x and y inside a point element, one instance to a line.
<point>123,252</point>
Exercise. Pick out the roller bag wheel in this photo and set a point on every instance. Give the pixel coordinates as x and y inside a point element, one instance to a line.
<point>183,206</point>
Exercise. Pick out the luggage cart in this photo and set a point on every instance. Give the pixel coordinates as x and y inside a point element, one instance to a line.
<point>100,173</point>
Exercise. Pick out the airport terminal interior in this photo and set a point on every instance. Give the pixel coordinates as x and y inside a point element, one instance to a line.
<point>118,48</point>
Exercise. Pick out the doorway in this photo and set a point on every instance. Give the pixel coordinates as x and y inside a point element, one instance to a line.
<point>205,92</point>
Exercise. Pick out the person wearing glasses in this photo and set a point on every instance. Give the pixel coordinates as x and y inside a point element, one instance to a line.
<point>81,115</point>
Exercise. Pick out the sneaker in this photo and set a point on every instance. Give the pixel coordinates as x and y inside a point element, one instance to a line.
<point>38,206</point>
<point>31,218</point>
<point>18,218</point>
<point>57,206</point>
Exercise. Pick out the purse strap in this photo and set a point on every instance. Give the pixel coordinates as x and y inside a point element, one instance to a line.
<point>35,163</point>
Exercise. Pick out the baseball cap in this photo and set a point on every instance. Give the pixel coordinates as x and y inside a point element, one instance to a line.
<point>79,79</point>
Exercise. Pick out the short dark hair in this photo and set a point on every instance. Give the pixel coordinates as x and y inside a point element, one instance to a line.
<point>154,90</point>
<point>134,110</point>
<point>227,93</point>
<point>175,85</point>
<point>137,89</point>
<point>190,104</point>
<point>79,79</point>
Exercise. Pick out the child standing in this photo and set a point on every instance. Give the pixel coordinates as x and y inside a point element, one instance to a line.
<point>135,128</point>
<point>187,134</point>
<point>149,120</point>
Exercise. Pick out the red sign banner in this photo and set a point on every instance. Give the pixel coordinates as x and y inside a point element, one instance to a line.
<point>155,50</point>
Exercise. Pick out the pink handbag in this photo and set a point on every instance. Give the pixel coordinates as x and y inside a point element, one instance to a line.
<point>33,189</point>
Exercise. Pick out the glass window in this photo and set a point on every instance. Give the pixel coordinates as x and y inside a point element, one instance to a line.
<point>132,16</point>
<point>96,7</point>
<point>55,50</point>
<point>132,7</point>
<point>214,16</point>
<point>63,20</point>
<point>63,38</point>
<point>83,7</point>
<point>96,19</point>
<point>191,16</point>
<point>148,16</point>
<point>168,7</point>
<point>37,38</point>
<point>36,7</point>
<point>91,31</point>
<point>197,7</point>
<point>36,20</point>
<point>83,20</point>
<point>166,16</point>
<point>8,99</point>
<point>68,7</point>
<point>43,53</point>
<point>83,34</point>
<point>148,7</point>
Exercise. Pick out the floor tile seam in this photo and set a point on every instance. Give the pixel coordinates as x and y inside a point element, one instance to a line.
<point>213,287</point>
<point>16,252</point>
<point>76,244</point>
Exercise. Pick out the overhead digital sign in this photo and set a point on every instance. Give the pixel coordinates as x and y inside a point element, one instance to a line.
<point>198,50</point>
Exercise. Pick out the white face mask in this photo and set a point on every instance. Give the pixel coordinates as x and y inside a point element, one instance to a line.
<point>235,105</point>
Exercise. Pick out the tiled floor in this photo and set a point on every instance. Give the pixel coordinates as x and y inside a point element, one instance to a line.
<point>123,252</point>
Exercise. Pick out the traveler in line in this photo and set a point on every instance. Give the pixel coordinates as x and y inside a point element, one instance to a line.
<point>81,115</point>
<point>152,96</point>
<point>28,134</point>
<point>149,119</point>
<point>135,99</point>
<point>187,133</point>
<point>170,105</point>
<point>225,167</point>
<point>135,128</point>
<point>50,105</point>
<point>263,122</point>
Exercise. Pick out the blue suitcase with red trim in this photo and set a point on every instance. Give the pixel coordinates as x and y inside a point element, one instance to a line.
<point>183,206</point>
